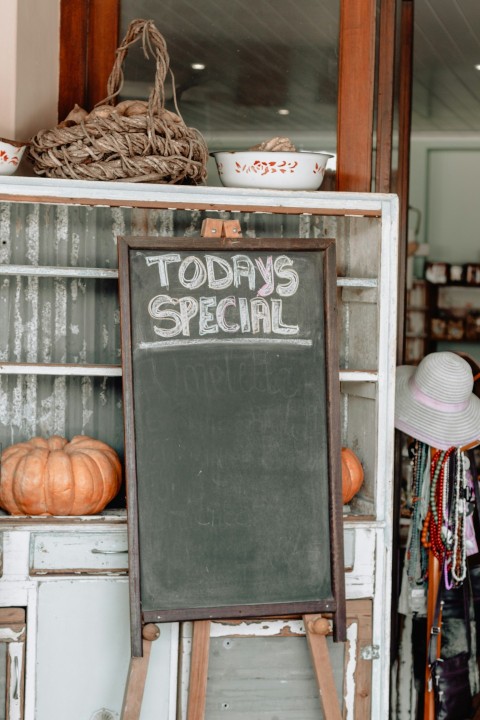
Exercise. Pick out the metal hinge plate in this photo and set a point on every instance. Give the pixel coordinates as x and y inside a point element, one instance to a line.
<point>370,652</point>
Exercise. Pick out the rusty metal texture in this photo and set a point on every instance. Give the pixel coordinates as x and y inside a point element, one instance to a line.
<point>76,319</point>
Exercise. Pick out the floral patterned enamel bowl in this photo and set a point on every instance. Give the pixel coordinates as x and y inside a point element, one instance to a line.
<point>271,170</point>
<point>11,153</point>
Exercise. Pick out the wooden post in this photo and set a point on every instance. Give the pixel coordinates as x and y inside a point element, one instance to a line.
<point>197,691</point>
<point>403,171</point>
<point>356,80</point>
<point>385,90</point>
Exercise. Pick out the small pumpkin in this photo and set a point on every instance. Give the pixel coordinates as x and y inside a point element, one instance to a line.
<point>56,477</point>
<point>352,474</point>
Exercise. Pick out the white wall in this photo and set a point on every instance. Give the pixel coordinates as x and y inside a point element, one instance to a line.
<point>445,186</point>
<point>8,77</point>
<point>29,66</point>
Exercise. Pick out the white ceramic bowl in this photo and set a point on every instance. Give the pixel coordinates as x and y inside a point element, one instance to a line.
<point>272,170</point>
<point>11,153</point>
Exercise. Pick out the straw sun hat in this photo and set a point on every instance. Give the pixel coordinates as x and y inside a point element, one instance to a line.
<point>435,402</point>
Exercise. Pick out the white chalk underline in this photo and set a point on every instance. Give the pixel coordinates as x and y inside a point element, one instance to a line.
<point>159,344</point>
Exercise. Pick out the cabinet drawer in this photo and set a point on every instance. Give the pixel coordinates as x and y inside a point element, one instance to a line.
<point>62,553</point>
<point>359,562</point>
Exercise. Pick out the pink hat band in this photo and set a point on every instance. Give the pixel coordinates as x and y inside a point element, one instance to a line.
<point>434,404</point>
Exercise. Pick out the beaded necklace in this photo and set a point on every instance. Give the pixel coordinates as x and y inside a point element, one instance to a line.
<point>444,528</point>
<point>459,559</point>
<point>415,565</point>
<point>433,529</point>
<point>439,523</point>
<point>434,472</point>
<point>448,517</point>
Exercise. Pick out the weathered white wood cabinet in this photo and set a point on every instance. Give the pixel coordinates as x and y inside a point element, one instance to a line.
<point>73,583</point>
<point>60,373</point>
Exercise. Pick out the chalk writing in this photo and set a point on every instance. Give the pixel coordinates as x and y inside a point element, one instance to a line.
<point>252,313</point>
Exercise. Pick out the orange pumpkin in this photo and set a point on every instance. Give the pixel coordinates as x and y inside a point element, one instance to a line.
<point>57,477</point>
<point>352,474</point>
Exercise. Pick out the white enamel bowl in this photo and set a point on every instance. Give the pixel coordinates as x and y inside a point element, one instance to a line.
<point>11,153</point>
<point>271,170</point>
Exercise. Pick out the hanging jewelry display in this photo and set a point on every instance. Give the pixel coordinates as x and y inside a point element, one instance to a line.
<point>444,522</point>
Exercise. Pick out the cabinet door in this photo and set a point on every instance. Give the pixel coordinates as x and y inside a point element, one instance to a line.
<point>83,653</point>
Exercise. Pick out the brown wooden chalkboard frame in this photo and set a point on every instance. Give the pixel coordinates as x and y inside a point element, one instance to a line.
<point>334,604</point>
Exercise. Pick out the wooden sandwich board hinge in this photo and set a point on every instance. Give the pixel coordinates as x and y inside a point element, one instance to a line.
<point>316,630</point>
<point>212,227</point>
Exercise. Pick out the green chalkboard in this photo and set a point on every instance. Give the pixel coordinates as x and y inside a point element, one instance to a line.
<point>231,416</point>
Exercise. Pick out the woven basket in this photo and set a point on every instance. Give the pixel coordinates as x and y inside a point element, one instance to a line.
<point>111,144</point>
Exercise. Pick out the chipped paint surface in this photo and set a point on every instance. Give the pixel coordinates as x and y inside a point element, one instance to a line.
<point>118,223</point>
<point>350,667</point>
<point>32,235</point>
<point>5,233</point>
<point>261,628</point>
<point>46,325</point>
<point>7,634</point>
<point>304,229</point>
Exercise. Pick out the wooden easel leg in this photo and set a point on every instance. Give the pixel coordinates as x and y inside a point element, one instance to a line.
<point>197,690</point>
<point>137,675</point>
<point>316,630</point>
<point>434,577</point>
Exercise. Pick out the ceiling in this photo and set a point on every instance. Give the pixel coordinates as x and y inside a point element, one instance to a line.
<point>260,57</point>
<point>266,56</point>
<point>446,87</point>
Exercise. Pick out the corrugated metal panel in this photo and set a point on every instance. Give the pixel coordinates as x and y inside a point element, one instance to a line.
<point>76,320</point>
<point>59,320</point>
<point>44,405</point>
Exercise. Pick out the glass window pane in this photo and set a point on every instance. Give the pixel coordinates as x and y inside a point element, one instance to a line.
<point>245,70</point>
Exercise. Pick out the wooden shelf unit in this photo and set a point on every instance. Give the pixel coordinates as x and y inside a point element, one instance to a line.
<point>60,373</point>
